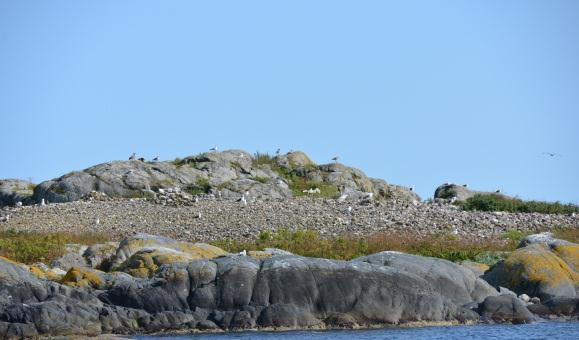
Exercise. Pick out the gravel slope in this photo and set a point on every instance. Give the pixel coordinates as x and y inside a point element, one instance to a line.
<point>213,218</point>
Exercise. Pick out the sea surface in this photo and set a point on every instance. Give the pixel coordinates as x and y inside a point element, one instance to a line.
<point>550,330</point>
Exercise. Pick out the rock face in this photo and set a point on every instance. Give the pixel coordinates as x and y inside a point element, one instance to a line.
<point>228,174</point>
<point>544,270</point>
<point>13,191</point>
<point>235,292</point>
<point>449,279</point>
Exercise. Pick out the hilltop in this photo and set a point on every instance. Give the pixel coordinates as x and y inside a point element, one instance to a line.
<point>227,174</point>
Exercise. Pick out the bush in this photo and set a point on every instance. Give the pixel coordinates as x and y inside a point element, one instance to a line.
<point>497,202</point>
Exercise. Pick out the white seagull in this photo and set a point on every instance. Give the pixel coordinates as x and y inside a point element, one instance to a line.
<point>133,157</point>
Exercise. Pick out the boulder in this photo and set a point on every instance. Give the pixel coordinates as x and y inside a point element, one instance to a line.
<point>451,280</point>
<point>142,254</point>
<point>537,270</point>
<point>13,191</point>
<point>505,309</point>
<point>545,238</point>
<point>453,191</point>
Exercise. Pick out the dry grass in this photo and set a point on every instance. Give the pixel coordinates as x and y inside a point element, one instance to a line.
<point>30,247</point>
<point>310,243</point>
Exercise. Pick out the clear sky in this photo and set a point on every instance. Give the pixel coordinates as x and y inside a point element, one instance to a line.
<point>415,92</point>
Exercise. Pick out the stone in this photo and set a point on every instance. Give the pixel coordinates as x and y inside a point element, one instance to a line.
<point>537,270</point>
<point>505,309</point>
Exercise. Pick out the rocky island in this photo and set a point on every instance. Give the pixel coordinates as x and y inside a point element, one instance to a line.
<point>160,273</point>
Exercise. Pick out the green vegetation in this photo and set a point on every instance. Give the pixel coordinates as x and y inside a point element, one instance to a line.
<point>299,184</point>
<point>311,243</point>
<point>201,186</point>
<point>497,202</point>
<point>447,193</point>
<point>297,180</point>
<point>260,159</point>
<point>31,247</point>
<point>178,162</point>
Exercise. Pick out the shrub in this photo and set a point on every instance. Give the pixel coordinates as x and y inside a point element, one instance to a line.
<point>497,202</point>
<point>201,186</point>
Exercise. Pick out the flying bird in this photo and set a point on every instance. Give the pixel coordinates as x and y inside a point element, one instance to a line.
<point>551,154</point>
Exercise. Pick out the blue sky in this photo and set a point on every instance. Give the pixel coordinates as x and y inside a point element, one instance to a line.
<point>415,92</point>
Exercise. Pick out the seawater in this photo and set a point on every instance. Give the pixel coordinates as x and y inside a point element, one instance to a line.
<point>549,330</point>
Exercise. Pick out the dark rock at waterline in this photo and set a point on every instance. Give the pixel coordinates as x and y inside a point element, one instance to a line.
<point>562,306</point>
<point>505,308</point>
<point>232,292</point>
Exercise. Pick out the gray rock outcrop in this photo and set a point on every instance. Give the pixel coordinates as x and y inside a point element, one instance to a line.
<point>234,292</point>
<point>229,173</point>
<point>449,279</point>
<point>13,191</point>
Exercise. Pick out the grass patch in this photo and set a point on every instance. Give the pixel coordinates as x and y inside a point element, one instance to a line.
<point>496,202</point>
<point>299,184</point>
<point>311,243</point>
<point>31,247</point>
<point>200,187</point>
<point>261,159</point>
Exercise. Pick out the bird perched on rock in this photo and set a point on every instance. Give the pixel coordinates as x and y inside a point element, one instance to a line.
<point>42,202</point>
<point>142,159</point>
<point>213,149</point>
<point>411,188</point>
<point>277,151</point>
<point>242,253</point>
<point>97,221</point>
<point>498,191</point>
<point>349,209</point>
<point>18,204</point>
<point>156,159</point>
<point>465,185</point>
<point>342,198</point>
<point>335,159</point>
<point>133,157</point>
